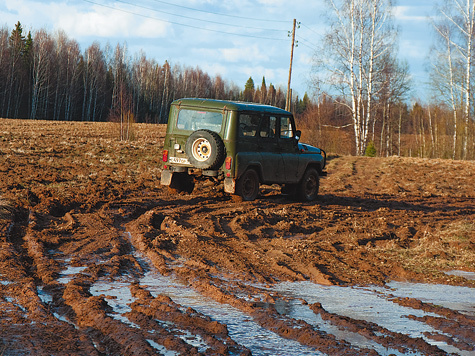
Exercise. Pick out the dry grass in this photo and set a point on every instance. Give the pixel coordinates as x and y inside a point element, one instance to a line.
<point>450,248</point>
<point>6,209</point>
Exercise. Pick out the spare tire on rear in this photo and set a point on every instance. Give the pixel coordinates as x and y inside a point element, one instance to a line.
<point>205,149</point>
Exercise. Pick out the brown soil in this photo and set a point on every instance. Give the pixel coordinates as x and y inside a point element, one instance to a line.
<point>72,194</point>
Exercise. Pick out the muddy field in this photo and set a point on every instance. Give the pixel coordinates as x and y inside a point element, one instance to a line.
<point>82,212</point>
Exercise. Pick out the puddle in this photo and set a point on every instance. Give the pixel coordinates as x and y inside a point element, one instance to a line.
<point>162,349</point>
<point>118,297</point>
<point>461,299</point>
<point>241,328</point>
<point>67,275</point>
<point>464,274</point>
<point>373,305</point>
<point>45,297</point>
<point>297,310</point>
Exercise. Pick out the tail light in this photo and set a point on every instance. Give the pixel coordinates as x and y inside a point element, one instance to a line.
<point>165,156</point>
<point>229,161</point>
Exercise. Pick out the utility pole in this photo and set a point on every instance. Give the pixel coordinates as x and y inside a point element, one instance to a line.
<point>289,92</point>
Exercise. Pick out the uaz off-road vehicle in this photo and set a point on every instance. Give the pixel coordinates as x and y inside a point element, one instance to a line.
<point>242,144</point>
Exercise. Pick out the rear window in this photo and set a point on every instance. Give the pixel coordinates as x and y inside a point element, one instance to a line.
<point>199,120</point>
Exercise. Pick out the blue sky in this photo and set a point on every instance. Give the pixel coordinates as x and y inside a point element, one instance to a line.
<point>234,38</point>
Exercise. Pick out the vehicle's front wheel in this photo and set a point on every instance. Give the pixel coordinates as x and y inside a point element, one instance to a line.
<point>307,190</point>
<point>247,185</point>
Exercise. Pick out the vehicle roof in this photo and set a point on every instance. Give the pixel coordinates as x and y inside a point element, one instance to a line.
<point>229,105</point>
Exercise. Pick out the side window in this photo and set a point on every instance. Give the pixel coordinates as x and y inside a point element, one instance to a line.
<point>248,125</point>
<point>268,127</point>
<point>286,128</point>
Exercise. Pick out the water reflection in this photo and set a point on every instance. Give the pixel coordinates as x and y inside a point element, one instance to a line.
<point>374,305</point>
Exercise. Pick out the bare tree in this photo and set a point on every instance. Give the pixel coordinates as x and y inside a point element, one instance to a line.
<point>394,85</point>
<point>122,107</point>
<point>452,62</point>
<point>50,78</point>
<point>354,50</point>
<point>4,68</point>
<point>67,77</point>
<point>42,59</point>
<point>94,75</point>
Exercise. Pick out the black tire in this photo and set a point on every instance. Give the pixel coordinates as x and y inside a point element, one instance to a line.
<point>181,183</point>
<point>247,185</point>
<point>307,189</point>
<point>205,149</point>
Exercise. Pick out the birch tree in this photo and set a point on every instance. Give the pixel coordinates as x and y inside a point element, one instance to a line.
<point>4,68</point>
<point>395,85</point>
<point>361,36</point>
<point>452,64</point>
<point>42,58</point>
<point>94,75</point>
<point>67,77</point>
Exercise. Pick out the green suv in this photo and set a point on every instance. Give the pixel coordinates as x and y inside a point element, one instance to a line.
<point>240,144</point>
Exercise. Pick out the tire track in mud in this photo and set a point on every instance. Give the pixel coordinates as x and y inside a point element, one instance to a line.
<point>96,244</point>
<point>202,276</point>
<point>23,308</point>
<point>64,253</point>
<point>448,322</point>
<point>225,291</point>
<point>70,299</point>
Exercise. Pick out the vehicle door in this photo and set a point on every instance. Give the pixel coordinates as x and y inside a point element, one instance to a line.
<point>247,141</point>
<point>288,147</point>
<point>271,157</point>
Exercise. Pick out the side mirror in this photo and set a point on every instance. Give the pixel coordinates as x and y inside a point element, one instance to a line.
<point>298,133</point>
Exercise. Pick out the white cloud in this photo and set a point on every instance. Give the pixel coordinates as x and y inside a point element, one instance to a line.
<point>248,54</point>
<point>413,49</point>
<point>104,22</point>
<point>305,59</point>
<point>276,3</point>
<point>244,54</point>
<point>408,13</point>
<point>272,75</point>
<point>215,69</point>
<point>79,21</point>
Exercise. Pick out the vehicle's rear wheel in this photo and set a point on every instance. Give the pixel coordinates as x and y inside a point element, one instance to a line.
<point>205,149</point>
<point>181,183</point>
<point>247,185</point>
<point>307,189</point>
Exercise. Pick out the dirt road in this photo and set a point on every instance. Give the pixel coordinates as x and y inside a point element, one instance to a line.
<point>79,207</point>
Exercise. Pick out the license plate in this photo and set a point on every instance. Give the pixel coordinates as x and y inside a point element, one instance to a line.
<point>178,160</point>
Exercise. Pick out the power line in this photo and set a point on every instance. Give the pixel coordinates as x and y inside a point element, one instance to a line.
<point>184,25</point>
<point>197,19</point>
<point>306,43</point>
<point>308,28</point>
<point>221,14</point>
